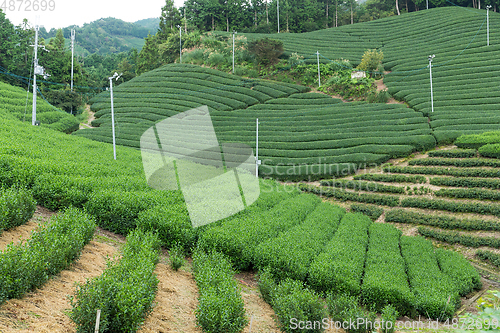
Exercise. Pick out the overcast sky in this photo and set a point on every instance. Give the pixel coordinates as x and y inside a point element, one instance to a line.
<point>69,12</point>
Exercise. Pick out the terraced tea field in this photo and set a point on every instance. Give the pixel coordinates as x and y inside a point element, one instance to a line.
<point>301,135</point>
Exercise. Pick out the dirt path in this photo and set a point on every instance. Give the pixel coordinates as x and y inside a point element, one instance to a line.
<point>45,310</point>
<point>381,86</point>
<point>89,120</point>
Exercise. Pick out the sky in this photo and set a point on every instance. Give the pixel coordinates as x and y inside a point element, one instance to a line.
<point>70,12</point>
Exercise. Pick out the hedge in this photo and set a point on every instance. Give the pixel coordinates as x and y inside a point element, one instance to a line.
<point>466,182</point>
<point>469,162</point>
<point>117,211</point>
<point>302,243</point>
<point>454,237</point>
<point>435,293</point>
<point>171,223</point>
<point>465,172</point>
<point>494,258</point>
<point>442,221</point>
<point>238,238</point>
<point>360,185</point>
<point>124,292</point>
<point>384,177</point>
<point>453,153</point>
<point>470,193</point>
<point>454,265</point>
<point>16,207</point>
<point>379,199</point>
<point>477,140</point>
<point>373,212</point>
<point>51,248</point>
<point>220,305</point>
<point>339,268</point>
<point>490,150</point>
<point>452,206</point>
<point>385,280</point>
<point>292,303</point>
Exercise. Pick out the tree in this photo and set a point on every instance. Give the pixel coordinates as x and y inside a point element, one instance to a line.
<point>371,61</point>
<point>149,57</point>
<point>170,17</point>
<point>266,50</point>
<point>8,41</point>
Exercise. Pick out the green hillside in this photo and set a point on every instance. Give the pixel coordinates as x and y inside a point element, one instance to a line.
<point>464,69</point>
<point>301,135</point>
<point>63,171</point>
<point>15,101</point>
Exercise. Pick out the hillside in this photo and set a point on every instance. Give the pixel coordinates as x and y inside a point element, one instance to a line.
<point>464,69</point>
<point>106,35</point>
<point>152,24</point>
<point>302,136</point>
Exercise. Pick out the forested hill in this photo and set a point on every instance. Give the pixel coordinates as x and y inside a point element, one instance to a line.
<point>106,35</point>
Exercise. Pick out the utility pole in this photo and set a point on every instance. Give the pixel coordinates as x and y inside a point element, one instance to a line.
<point>38,70</point>
<point>488,24</point>
<point>180,44</point>
<point>319,75</point>
<point>72,55</point>
<point>72,60</point>
<point>278,6</point>
<point>430,74</point>
<point>115,76</point>
<point>427,3</point>
<point>257,161</point>
<point>35,66</point>
<point>234,32</point>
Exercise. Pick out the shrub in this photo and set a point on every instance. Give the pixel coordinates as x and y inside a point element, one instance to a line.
<point>386,200</point>
<point>391,178</point>
<point>302,243</point>
<point>172,224</point>
<point>371,60</point>
<point>373,212</point>
<point>389,315</point>
<point>51,248</point>
<point>385,280</point>
<point>16,207</point>
<point>340,266</point>
<point>475,141</point>
<point>458,268</point>
<point>176,255</point>
<point>220,305</point>
<point>266,50</point>
<point>124,292</point>
<point>454,237</point>
<point>490,150</point>
<point>453,153</point>
<point>117,211</point>
<point>292,303</point>
<point>441,221</point>
<point>435,293</point>
<point>346,310</point>
<point>494,258</point>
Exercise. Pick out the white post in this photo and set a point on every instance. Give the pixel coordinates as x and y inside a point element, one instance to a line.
<point>488,25</point>
<point>97,320</point>
<point>427,2</point>
<point>233,49</point>
<point>319,75</point>
<point>35,65</point>
<point>115,76</point>
<point>430,74</point>
<point>180,44</point>
<point>278,4</point>
<point>72,55</point>
<point>257,162</point>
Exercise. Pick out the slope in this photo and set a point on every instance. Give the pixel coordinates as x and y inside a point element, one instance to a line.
<point>464,69</point>
<point>303,136</point>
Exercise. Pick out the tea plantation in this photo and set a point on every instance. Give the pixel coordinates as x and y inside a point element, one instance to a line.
<point>301,135</point>
<point>314,257</point>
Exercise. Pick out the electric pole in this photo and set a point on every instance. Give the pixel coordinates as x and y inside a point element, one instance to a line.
<point>180,44</point>
<point>488,24</point>
<point>35,66</point>
<point>234,32</point>
<point>278,6</point>
<point>115,76</point>
<point>319,73</point>
<point>430,74</point>
<point>72,60</point>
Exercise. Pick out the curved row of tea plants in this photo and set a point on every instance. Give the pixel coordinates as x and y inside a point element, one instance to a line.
<point>16,207</point>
